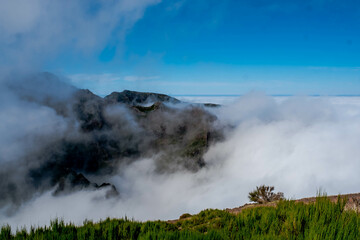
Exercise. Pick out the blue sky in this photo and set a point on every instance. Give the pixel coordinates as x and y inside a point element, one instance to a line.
<point>225,47</point>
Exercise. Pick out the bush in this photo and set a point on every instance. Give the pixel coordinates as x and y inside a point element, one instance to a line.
<point>265,194</point>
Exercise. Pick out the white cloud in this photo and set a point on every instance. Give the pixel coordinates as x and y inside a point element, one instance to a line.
<point>32,30</point>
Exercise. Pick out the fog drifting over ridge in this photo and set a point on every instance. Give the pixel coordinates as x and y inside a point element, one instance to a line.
<point>297,144</point>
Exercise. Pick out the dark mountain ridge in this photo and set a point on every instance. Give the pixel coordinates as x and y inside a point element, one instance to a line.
<point>105,135</point>
<point>138,98</point>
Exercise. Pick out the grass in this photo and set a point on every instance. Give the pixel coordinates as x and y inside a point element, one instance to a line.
<point>287,220</point>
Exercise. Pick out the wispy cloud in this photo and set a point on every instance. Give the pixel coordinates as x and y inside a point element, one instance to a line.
<point>33,30</point>
<point>95,78</point>
<point>104,78</point>
<point>140,78</point>
<point>331,68</point>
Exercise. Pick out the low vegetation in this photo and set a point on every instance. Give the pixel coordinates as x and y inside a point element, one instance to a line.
<point>322,219</point>
<point>265,194</point>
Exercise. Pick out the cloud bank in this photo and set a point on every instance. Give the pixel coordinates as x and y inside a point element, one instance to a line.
<point>297,144</point>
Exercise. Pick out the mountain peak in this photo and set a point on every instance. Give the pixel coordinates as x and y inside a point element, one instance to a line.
<point>136,98</point>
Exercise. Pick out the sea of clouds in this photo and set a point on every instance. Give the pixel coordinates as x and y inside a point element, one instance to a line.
<point>297,144</point>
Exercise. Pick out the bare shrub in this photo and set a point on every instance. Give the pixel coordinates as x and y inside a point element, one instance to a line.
<point>265,194</point>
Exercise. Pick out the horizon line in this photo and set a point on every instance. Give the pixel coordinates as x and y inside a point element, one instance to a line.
<point>273,95</point>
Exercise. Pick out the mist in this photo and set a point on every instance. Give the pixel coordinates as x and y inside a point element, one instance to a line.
<point>297,144</point>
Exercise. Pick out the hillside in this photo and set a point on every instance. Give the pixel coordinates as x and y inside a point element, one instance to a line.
<point>352,203</point>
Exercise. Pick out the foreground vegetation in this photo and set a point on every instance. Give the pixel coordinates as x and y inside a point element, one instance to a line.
<point>288,220</point>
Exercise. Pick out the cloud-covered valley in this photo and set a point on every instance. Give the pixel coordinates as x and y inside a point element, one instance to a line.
<point>56,152</point>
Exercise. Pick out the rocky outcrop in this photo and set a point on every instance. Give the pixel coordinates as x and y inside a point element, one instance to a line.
<point>138,98</point>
